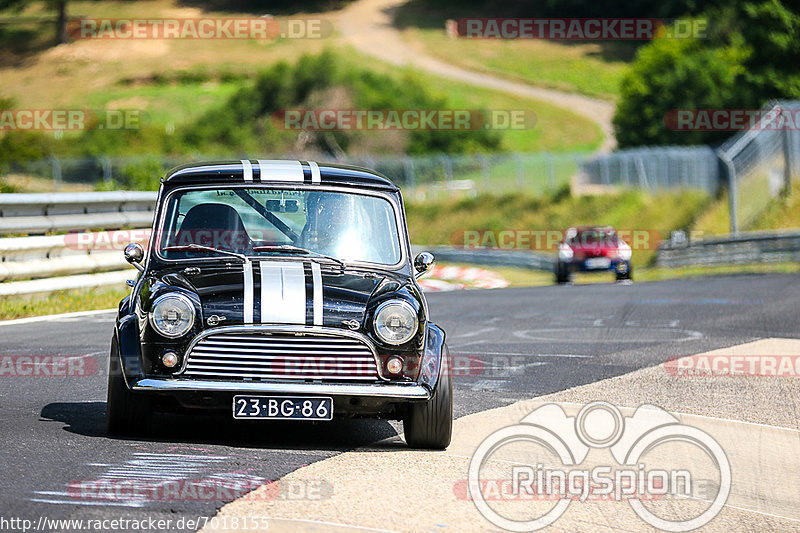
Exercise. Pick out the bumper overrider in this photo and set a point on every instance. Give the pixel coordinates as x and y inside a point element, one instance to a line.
<point>353,396</point>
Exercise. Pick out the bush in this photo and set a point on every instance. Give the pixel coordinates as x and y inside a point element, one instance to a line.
<point>245,122</point>
<point>749,57</point>
<point>676,74</point>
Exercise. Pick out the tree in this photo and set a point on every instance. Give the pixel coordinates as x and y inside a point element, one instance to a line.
<point>750,56</point>
<point>59,5</point>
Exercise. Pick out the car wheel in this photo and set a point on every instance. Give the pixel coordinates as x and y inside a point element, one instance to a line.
<point>126,412</point>
<point>627,276</point>
<point>562,273</point>
<point>429,425</point>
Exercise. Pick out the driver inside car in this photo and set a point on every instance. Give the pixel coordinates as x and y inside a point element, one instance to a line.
<point>333,226</point>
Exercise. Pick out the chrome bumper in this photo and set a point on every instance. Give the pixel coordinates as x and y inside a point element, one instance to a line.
<point>389,391</point>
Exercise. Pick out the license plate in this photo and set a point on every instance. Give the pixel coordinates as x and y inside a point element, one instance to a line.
<point>283,407</point>
<point>598,263</point>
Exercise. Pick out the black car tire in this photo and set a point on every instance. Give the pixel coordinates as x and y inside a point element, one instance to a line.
<point>627,276</point>
<point>429,425</point>
<point>562,273</point>
<point>127,414</point>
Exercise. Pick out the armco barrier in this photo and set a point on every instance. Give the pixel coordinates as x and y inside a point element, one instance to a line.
<point>52,262</point>
<point>746,248</point>
<point>25,214</point>
<point>491,257</point>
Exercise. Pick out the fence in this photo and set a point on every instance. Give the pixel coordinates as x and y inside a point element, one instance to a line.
<point>761,164</point>
<point>422,177</point>
<point>755,165</point>
<point>692,167</point>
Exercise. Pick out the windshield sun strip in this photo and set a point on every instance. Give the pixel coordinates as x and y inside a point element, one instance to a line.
<point>398,219</point>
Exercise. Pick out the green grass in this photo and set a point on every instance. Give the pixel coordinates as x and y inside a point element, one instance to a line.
<point>440,222</point>
<point>555,129</point>
<point>521,277</point>
<point>659,274</point>
<point>569,67</point>
<point>60,302</point>
<point>164,104</point>
<point>594,69</point>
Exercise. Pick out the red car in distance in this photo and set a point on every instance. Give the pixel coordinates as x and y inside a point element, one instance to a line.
<point>592,249</point>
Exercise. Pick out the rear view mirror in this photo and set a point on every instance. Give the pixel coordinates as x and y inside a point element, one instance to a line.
<point>282,206</point>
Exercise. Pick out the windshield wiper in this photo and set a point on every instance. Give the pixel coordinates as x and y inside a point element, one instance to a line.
<point>291,249</point>
<point>201,248</point>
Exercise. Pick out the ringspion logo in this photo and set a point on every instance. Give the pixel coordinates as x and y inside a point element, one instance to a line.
<point>637,474</point>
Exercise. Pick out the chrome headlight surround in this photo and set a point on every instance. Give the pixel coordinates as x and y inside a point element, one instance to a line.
<point>181,304</point>
<point>403,311</point>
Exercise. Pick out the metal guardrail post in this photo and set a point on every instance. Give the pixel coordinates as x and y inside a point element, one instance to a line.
<point>732,190</point>
<point>408,168</point>
<point>56,164</point>
<point>519,167</point>
<point>107,172</point>
<point>788,163</point>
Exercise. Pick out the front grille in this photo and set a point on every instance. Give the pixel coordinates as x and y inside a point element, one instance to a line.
<point>306,356</point>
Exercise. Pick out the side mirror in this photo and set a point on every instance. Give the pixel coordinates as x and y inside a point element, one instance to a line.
<point>423,263</point>
<point>134,253</point>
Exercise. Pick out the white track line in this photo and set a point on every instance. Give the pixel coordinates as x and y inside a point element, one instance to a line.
<point>48,318</point>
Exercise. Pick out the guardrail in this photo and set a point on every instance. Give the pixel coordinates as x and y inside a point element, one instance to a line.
<point>491,257</point>
<point>27,214</point>
<point>42,263</point>
<point>69,260</point>
<point>745,248</point>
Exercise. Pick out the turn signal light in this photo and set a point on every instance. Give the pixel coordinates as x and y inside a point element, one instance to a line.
<point>394,365</point>
<point>169,359</point>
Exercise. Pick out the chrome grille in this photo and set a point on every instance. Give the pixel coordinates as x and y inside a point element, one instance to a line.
<point>304,356</point>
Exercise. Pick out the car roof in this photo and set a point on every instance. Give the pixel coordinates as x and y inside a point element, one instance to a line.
<point>581,229</point>
<point>276,171</point>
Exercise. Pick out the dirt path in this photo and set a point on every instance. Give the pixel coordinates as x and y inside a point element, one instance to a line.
<point>367,25</point>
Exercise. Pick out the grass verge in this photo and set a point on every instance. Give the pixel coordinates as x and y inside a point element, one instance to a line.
<point>70,301</point>
<point>576,68</point>
<point>520,277</point>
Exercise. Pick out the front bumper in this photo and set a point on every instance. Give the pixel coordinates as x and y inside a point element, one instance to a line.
<point>398,392</point>
<point>615,265</point>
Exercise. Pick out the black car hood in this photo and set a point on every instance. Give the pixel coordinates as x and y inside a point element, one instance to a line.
<point>280,292</point>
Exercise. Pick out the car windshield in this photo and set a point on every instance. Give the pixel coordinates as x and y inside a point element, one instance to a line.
<point>595,237</point>
<point>269,222</point>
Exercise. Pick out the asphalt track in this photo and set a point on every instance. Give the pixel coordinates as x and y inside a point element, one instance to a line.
<point>512,344</point>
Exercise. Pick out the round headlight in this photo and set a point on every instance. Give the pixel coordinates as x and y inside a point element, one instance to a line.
<point>395,322</point>
<point>172,315</point>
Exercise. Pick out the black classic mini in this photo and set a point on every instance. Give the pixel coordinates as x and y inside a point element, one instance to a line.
<point>279,290</point>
